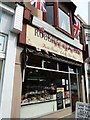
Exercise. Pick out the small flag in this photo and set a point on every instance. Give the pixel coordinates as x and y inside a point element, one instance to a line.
<point>33,2</point>
<point>43,5</point>
<point>76,28</point>
<point>39,4</point>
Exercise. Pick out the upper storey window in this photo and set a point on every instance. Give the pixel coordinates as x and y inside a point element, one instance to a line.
<point>61,16</point>
<point>50,15</point>
<point>64,21</point>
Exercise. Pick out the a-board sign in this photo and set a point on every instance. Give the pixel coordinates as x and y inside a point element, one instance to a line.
<point>59,96</point>
<point>82,110</point>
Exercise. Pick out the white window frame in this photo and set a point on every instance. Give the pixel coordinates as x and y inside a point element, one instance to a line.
<point>59,21</point>
<point>2,57</point>
<point>4,46</point>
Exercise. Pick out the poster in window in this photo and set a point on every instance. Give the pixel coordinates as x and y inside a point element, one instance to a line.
<point>63,81</point>
<point>67,101</point>
<point>66,82</point>
<point>67,96</point>
<point>67,88</point>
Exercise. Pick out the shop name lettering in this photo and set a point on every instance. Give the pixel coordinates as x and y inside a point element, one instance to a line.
<point>40,33</point>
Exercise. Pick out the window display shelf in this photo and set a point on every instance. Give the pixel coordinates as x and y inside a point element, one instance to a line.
<point>37,102</point>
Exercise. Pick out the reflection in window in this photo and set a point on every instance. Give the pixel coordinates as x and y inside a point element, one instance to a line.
<point>49,16</point>
<point>64,21</point>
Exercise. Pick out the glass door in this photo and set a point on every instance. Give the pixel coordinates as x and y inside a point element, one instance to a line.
<point>74,90</point>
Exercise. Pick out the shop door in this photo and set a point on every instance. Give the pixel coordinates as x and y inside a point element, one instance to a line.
<point>74,90</point>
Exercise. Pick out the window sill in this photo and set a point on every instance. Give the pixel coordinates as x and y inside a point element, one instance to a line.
<point>66,33</point>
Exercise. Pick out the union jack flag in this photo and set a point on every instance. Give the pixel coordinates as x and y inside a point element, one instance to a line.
<point>39,4</point>
<point>76,28</point>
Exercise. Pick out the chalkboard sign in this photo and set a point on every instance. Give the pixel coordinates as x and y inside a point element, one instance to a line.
<point>59,100</point>
<point>82,110</point>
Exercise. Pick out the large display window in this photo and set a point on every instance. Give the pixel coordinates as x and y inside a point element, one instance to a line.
<point>43,86</point>
<point>45,81</point>
<point>49,82</point>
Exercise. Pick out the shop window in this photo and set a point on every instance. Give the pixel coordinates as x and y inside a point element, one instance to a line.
<point>33,60</point>
<point>41,86</point>
<point>64,21</point>
<point>50,64</point>
<point>63,67</point>
<point>72,69</point>
<point>60,15</point>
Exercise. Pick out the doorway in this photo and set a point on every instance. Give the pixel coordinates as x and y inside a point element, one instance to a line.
<point>74,90</point>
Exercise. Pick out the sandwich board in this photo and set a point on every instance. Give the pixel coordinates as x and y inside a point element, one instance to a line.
<point>82,110</point>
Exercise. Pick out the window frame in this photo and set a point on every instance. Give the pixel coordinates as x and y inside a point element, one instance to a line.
<point>44,14</point>
<point>2,58</point>
<point>56,21</point>
<point>59,20</point>
<point>4,44</point>
<point>1,78</point>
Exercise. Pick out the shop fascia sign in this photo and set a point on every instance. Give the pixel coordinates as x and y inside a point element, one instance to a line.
<point>38,38</point>
<point>42,34</point>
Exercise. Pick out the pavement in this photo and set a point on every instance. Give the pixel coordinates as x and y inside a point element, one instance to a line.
<point>69,117</point>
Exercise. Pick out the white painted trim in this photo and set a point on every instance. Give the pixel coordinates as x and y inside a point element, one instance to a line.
<point>8,78</point>
<point>27,66</point>
<point>17,21</point>
<point>7,8</point>
<point>86,78</point>
<point>5,41</point>
<point>39,68</point>
<point>2,56</point>
<point>50,29</point>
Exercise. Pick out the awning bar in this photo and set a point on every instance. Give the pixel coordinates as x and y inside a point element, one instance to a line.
<point>27,66</point>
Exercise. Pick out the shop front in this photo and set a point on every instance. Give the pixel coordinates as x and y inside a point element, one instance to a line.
<point>51,71</point>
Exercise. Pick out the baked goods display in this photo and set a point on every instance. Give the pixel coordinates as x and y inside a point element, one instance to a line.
<point>37,96</point>
<point>39,93</point>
